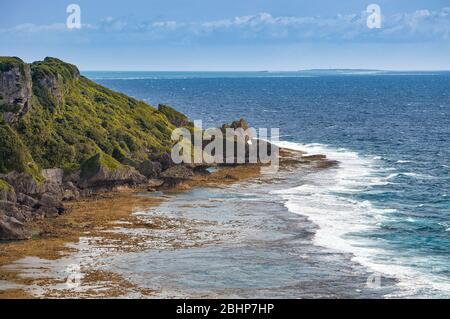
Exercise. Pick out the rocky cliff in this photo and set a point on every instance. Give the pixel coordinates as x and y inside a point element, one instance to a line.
<point>62,136</point>
<point>16,88</point>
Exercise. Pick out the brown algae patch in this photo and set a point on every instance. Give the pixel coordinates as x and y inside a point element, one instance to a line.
<point>53,236</point>
<point>102,284</point>
<point>93,230</point>
<point>117,222</point>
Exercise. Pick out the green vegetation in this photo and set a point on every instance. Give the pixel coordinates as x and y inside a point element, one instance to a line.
<point>14,155</point>
<point>91,166</point>
<point>174,117</point>
<point>57,68</point>
<point>9,108</point>
<point>7,63</point>
<point>73,121</point>
<point>4,186</point>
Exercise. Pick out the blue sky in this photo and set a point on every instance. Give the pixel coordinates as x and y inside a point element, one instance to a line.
<point>230,35</point>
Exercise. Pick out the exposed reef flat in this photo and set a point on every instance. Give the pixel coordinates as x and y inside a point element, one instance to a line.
<point>111,223</point>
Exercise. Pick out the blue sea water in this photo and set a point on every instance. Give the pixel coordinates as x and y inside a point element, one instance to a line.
<point>388,202</point>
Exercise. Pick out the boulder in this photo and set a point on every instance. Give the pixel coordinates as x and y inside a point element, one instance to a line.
<point>55,190</point>
<point>50,203</point>
<point>150,169</point>
<point>12,229</point>
<point>164,159</point>
<point>102,170</point>
<point>155,183</point>
<point>241,139</point>
<point>23,183</point>
<point>18,211</point>
<point>177,174</point>
<point>27,200</point>
<point>241,123</point>
<point>48,212</point>
<point>71,192</point>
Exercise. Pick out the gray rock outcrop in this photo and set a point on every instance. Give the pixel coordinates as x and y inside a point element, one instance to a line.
<point>15,89</point>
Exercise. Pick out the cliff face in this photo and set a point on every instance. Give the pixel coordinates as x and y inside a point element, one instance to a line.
<point>62,135</point>
<point>62,119</point>
<point>15,88</point>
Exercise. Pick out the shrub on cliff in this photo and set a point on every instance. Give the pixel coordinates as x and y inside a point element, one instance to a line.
<point>4,186</point>
<point>176,118</point>
<point>68,119</point>
<point>14,155</point>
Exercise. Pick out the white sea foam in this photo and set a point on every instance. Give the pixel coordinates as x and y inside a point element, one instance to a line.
<point>325,198</point>
<point>392,176</point>
<point>413,175</point>
<point>419,176</point>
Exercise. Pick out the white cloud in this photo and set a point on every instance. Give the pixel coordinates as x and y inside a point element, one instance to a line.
<point>43,28</point>
<point>33,28</point>
<point>111,24</point>
<point>414,26</point>
<point>171,25</point>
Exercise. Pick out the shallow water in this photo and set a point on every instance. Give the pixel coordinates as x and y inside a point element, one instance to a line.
<point>270,252</point>
<point>384,212</point>
<point>246,245</point>
<point>389,204</point>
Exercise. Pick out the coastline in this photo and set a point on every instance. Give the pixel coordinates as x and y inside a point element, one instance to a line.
<point>110,219</point>
<point>90,216</point>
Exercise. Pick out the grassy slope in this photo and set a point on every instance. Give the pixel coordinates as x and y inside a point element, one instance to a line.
<point>88,119</point>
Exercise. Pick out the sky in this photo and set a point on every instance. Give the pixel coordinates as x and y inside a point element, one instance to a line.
<point>226,35</point>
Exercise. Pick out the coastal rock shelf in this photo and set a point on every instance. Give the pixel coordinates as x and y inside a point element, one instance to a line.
<point>206,220</point>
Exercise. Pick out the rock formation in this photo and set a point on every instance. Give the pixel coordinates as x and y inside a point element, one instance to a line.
<point>63,136</point>
<point>16,88</point>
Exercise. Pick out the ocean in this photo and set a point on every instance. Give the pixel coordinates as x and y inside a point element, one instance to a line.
<point>378,225</point>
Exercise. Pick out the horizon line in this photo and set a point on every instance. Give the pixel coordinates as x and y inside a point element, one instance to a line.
<point>278,71</point>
